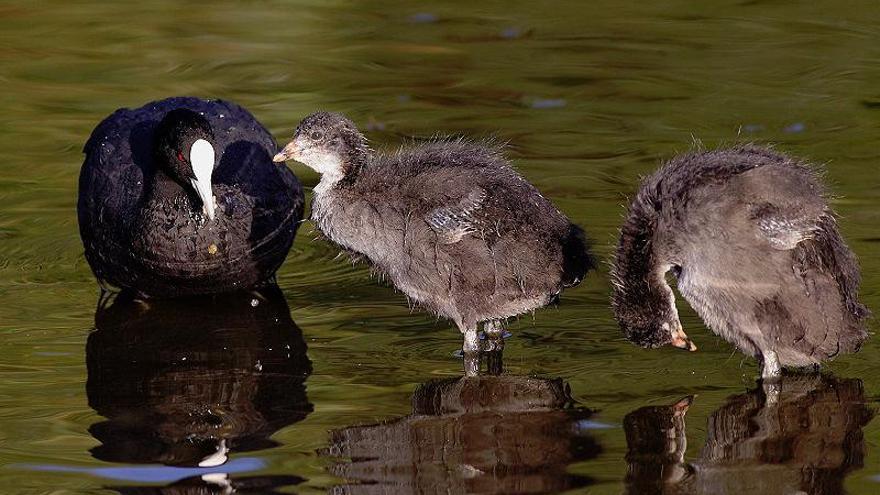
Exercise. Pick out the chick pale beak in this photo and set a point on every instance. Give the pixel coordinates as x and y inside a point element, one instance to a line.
<point>291,151</point>
<point>681,340</point>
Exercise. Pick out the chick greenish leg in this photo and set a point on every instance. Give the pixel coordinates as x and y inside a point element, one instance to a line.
<point>471,341</point>
<point>470,349</point>
<point>770,368</point>
<point>494,331</point>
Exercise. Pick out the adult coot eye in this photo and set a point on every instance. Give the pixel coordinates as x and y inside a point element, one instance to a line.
<point>180,157</point>
<point>317,135</point>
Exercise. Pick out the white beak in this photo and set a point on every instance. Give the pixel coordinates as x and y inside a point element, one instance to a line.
<point>201,157</point>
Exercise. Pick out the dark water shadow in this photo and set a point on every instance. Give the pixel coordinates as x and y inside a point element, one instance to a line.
<point>185,383</point>
<point>803,435</point>
<point>482,434</point>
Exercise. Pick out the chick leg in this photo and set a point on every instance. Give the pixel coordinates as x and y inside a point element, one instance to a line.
<point>770,367</point>
<point>470,348</point>
<point>494,335</point>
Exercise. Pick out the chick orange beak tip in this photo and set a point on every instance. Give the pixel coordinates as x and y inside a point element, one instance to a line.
<point>681,340</point>
<point>289,152</point>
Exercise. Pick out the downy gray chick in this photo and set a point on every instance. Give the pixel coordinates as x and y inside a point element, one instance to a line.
<point>448,222</point>
<point>756,250</point>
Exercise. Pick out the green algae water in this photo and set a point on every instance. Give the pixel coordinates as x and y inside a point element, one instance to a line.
<point>333,383</point>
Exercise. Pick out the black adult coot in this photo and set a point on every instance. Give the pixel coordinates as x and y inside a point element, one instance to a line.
<point>756,251</point>
<point>449,222</point>
<point>181,197</point>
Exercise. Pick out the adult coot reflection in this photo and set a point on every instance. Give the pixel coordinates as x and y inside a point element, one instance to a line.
<point>484,434</point>
<point>804,436</point>
<point>186,382</point>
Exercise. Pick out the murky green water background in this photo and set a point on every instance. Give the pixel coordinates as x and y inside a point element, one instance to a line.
<point>590,95</point>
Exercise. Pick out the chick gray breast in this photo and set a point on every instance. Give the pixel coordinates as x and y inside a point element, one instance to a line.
<point>449,222</point>
<point>756,252</point>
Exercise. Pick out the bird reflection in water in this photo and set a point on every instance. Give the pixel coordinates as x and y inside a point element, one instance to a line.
<point>481,434</point>
<point>185,383</point>
<point>803,435</point>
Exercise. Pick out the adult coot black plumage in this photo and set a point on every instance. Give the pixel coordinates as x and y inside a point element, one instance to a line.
<point>181,197</point>
<point>449,222</point>
<point>756,251</point>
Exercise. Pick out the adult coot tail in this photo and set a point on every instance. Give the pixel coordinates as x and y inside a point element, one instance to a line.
<point>180,197</point>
